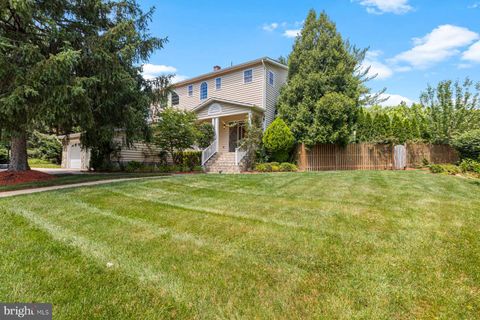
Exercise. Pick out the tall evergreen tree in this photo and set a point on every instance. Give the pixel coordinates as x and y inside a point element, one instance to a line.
<point>73,64</point>
<point>415,130</point>
<point>383,128</point>
<point>398,133</point>
<point>321,63</point>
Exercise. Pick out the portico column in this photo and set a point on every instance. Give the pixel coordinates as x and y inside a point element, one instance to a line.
<point>216,127</point>
<point>250,117</point>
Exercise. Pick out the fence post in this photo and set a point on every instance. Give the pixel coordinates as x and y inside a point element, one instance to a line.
<point>302,158</point>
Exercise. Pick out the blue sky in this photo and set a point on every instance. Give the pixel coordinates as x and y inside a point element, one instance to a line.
<point>412,42</point>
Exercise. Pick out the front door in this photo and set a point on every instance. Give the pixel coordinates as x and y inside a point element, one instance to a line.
<point>236,134</point>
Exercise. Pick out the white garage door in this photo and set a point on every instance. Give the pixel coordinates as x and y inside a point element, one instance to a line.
<point>75,156</point>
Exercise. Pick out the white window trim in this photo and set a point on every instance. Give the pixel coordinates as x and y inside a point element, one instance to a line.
<point>190,93</point>
<point>200,91</point>
<point>244,82</point>
<point>218,88</point>
<point>273,78</point>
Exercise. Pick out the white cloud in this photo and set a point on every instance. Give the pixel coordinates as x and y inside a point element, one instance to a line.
<point>292,33</point>
<point>394,100</point>
<point>179,78</point>
<point>464,66</point>
<point>402,69</point>
<point>473,53</point>
<point>377,68</point>
<point>386,6</point>
<point>270,26</point>
<point>443,42</point>
<point>158,69</point>
<point>151,71</point>
<point>474,5</point>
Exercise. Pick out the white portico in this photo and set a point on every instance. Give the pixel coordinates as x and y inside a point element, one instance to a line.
<point>228,119</point>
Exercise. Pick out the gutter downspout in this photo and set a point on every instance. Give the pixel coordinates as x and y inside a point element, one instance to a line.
<point>264,96</point>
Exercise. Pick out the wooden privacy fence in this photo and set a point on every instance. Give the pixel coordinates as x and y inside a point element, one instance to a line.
<point>365,156</point>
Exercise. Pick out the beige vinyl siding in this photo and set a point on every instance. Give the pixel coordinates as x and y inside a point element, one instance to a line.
<point>272,92</point>
<point>227,109</point>
<point>232,89</point>
<point>138,151</point>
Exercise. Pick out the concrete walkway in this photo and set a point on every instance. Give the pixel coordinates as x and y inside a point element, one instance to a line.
<point>74,185</point>
<point>56,171</point>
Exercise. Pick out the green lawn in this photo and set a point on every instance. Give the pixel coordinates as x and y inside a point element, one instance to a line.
<point>39,163</point>
<point>62,179</point>
<point>334,245</point>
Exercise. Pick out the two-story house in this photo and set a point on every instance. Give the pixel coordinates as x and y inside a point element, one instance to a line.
<point>228,97</point>
<point>225,97</point>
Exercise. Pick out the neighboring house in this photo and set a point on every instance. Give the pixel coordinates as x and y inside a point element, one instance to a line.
<point>225,97</point>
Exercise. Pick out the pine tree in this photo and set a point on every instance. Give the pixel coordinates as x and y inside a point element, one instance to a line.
<point>73,64</point>
<point>322,63</point>
<point>415,130</point>
<point>398,129</point>
<point>383,128</point>
<point>369,131</point>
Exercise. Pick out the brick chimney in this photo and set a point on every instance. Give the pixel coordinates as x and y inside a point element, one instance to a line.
<point>216,68</point>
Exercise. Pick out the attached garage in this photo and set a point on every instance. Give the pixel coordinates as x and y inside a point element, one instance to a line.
<point>74,157</point>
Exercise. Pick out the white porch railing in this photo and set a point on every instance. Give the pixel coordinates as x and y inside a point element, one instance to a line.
<point>239,155</point>
<point>208,152</point>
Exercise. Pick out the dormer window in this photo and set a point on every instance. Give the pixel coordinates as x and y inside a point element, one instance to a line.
<point>218,83</point>
<point>271,78</point>
<point>190,90</point>
<point>248,76</point>
<point>203,91</point>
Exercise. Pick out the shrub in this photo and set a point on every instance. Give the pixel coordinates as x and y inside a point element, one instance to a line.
<point>468,144</point>
<point>278,139</point>
<point>189,159</point>
<point>262,167</point>
<point>450,169</point>
<point>436,168</point>
<point>45,147</point>
<point>276,167</point>
<point>134,166</point>
<point>288,167</point>
<point>470,165</point>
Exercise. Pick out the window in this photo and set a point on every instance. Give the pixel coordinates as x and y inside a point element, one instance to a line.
<point>247,76</point>
<point>218,83</point>
<point>203,91</point>
<point>175,99</point>
<point>271,78</point>
<point>190,90</point>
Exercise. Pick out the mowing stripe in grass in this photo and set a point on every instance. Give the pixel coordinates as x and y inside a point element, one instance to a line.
<point>233,251</point>
<point>104,255</point>
<point>158,230</point>
<point>253,218</point>
<point>241,268</point>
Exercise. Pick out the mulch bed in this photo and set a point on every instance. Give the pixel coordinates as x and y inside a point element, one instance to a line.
<point>8,178</point>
